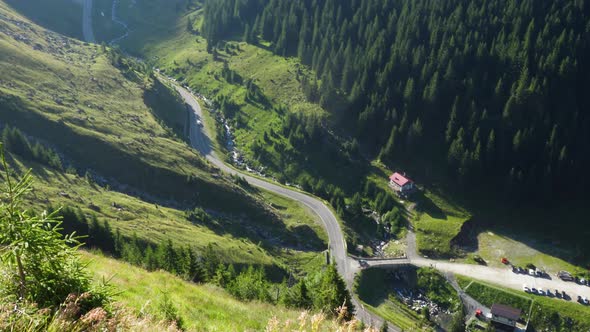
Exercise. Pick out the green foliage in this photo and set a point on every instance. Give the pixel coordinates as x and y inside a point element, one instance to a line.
<point>298,296</point>
<point>249,285</point>
<point>324,291</point>
<point>16,142</point>
<point>392,220</point>
<point>169,310</point>
<point>41,265</point>
<point>437,289</point>
<point>198,215</point>
<point>457,322</point>
<point>330,293</point>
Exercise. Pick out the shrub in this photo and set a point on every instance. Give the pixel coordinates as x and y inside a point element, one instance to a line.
<point>39,264</point>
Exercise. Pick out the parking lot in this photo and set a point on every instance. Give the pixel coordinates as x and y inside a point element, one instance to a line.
<point>505,277</point>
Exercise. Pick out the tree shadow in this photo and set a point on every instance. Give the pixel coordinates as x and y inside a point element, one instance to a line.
<point>266,229</point>
<point>426,205</point>
<point>561,236</point>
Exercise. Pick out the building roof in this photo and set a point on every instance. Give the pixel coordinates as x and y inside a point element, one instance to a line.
<point>506,311</point>
<point>399,179</point>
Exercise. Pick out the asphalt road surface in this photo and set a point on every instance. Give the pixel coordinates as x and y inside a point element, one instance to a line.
<point>347,266</point>
<point>87,30</point>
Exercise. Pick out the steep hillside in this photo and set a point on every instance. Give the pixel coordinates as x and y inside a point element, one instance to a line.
<point>107,118</point>
<point>201,307</point>
<point>259,92</point>
<point>98,109</point>
<point>492,92</point>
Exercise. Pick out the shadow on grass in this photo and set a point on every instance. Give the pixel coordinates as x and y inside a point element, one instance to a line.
<point>426,205</point>
<point>555,231</point>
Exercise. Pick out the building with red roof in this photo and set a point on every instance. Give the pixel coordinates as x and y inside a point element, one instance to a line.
<point>401,184</point>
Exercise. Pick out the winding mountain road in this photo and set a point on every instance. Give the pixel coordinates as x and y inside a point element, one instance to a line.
<point>347,266</point>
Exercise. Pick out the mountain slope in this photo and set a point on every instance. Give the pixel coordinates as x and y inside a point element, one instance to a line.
<point>490,93</point>
<point>108,120</point>
<point>100,117</point>
<point>202,307</point>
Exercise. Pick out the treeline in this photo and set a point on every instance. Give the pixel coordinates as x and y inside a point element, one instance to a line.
<point>495,92</point>
<point>16,142</point>
<point>325,291</point>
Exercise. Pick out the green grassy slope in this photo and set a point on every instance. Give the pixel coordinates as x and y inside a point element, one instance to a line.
<point>202,307</point>
<point>69,95</point>
<point>294,243</point>
<point>160,34</point>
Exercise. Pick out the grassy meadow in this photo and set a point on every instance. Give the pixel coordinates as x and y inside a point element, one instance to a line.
<point>295,241</point>
<point>201,307</point>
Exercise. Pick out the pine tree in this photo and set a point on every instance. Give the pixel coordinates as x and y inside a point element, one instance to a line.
<point>42,265</point>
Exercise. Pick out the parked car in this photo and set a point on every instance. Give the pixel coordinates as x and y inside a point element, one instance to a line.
<point>478,313</point>
<point>540,273</point>
<point>533,290</point>
<point>565,276</point>
<point>557,293</point>
<point>532,272</point>
<point>541,291</point>
<point>585,300</point>
<point>526,288</point>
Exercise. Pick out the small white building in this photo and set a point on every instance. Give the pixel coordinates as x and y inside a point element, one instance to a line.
<point>401,184</point>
